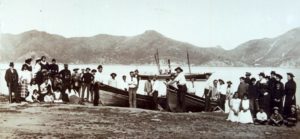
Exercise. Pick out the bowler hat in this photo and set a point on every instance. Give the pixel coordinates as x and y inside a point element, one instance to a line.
<point>179,68</point>
<point>11,64</point>
<point>290,74</point>
<point>273,72</point>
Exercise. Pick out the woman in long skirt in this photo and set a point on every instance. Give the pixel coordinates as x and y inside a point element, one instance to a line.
<point>245,116</point>
<point>235,103</point>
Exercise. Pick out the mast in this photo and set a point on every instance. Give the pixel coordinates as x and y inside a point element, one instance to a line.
<point>156,56</point>
<point>169,64</point>
<point>188,60</point>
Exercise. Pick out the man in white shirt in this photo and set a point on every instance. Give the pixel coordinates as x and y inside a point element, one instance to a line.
<point>123,83</point>
<point>182,89</point>
<point>155,90</point>
<point>132,85</point>
<point>261,117</point>
<point>191,87</point>
<point>113,82</point>
<point>222,89</point>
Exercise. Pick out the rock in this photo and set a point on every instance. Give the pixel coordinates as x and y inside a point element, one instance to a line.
<point>156,120</point>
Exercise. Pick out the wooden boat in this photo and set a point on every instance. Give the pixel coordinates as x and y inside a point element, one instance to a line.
<point>192,102</point>
<point>199,77</point>
<point>111,96</point>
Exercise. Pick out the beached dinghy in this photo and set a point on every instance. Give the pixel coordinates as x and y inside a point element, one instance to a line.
<point>111,96</point>
<point>193,103</point>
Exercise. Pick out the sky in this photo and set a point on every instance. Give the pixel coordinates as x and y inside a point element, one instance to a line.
<point>204,23</point>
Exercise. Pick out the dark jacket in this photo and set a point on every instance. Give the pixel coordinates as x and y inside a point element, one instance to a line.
<point>243,89</point>
<point>87,78</point>
<point>253,91</point>
<point>12,79</point>
<point>65,75</point>
<point>53,68</point>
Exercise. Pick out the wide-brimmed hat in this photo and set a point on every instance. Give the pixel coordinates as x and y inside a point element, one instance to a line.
<point>76,69</point>
<point>94,70</point>
<point>290,74</point>
<point>179,68</point>
<point>275,108</point>
<point>279,76</point>
<point>87,69</point>
<point>262,74</point>
<point>100,66</point>
<point>229,82</point>
<point>113,74</point>
<point>248,74</point>
<point>220,80</point>
<point>28,60</point>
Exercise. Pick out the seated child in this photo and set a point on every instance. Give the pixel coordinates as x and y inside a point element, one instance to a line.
<point>276,119</point>
<point>35,96</point>
<point>292,117</point>
<point>49,98</point>
<point>261,117</point>
<point>57,97</point>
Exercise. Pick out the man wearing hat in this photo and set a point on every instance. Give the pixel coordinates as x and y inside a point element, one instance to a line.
<point>243,88</point>
<point>53,68</point>
<point>12,79</point>
<point>247,78</point>
<point>277,96</point>
<point>253,96</point>
<point>182,89</point>
<point>76,80</point>
<point>65,75</point>
<point>290,94</point>
<point>222,89</point>
<point>113,82</point>
<point>87,80</point>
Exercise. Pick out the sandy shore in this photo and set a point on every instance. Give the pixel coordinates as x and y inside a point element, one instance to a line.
<point>76,121</point>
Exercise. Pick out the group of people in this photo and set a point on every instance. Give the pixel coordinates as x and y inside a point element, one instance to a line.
<point>44,82</point>
<point>266,100</point>
<point>263,101</point>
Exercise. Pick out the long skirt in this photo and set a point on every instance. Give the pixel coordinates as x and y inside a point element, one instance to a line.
<point>245,117</point>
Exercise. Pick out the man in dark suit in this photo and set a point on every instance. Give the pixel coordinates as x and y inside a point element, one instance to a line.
<point>65,75</point>
<point>12,79</point>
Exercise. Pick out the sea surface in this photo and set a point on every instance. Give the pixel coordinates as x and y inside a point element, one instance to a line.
<point>226,73</point>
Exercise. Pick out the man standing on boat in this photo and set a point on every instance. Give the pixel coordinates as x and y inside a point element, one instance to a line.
<point>182,89</point>
<point>132,84</point>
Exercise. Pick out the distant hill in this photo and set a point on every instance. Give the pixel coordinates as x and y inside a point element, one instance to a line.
<point>140,49</point>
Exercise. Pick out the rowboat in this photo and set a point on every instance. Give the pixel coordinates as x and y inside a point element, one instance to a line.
<point>111,96</point>
<point>193,103</point>
<point>198,77</point>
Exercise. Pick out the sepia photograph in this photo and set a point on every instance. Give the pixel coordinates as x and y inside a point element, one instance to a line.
<point>161,69</point>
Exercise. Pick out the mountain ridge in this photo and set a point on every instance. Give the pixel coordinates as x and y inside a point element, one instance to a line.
<point>139,49</point>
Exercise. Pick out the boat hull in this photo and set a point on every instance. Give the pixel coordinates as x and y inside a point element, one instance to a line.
<point>199,77</point>
<point>193,103</point>
<point>110,96</point>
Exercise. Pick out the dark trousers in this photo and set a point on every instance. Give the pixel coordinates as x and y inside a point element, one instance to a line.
<point>86,86</point>
<point>96,94</point>
<point>182,90</point>
<point>207,100</point>
<point>132,97</point>
<point>155,99</point>
<point>66,86</point>
<point>222,101</point>
<point>259,122</point>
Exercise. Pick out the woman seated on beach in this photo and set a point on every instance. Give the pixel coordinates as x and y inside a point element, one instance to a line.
<point>32,98</point>
<point>276,119</point>
<point>45,88</point>
<point>235,103</point>
<point>291,119</point>
<point>245,116</point>
<point>261,117</point>
<point>49,98</point>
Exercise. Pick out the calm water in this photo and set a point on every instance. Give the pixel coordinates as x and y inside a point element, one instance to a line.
<point>225,73</point>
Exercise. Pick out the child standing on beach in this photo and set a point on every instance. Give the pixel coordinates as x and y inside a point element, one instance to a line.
<point>245,116</point>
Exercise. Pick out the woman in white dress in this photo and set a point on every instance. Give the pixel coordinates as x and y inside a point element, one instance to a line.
<point>235,103</point>
<point>245,116</point>
<point>228,97</point>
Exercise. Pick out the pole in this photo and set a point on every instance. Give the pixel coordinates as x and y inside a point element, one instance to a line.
<point>188,59</point>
